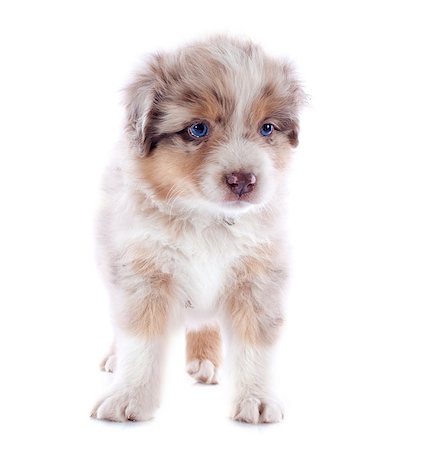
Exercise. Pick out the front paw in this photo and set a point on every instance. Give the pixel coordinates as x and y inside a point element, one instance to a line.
<point>124,404</point>
<point>258,410</point>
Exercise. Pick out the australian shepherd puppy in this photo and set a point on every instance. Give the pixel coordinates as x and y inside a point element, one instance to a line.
<point>191,225</point>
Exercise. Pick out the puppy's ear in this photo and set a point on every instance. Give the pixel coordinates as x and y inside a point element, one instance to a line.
<point>297,99</point>
<point>141,99</point>
<point>293,133</point>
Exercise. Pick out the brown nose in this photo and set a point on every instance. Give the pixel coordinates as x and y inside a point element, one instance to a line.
<point>241,183</point>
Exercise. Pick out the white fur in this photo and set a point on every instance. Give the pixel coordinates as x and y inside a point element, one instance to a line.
<point>254,402</point>
<point>134,394</point>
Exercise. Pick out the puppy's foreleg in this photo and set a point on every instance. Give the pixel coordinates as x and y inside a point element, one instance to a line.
<point>255,319</point>
<point>134,394</point>
<point>253,401</point>
<point>142,315</point>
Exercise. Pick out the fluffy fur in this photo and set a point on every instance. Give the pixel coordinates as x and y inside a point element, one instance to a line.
<point>177,246</point>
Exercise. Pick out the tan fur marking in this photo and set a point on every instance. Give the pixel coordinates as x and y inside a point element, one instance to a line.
<point>279,107</point>
<point>204,344</point>
<point>173,171</point>
<point>254,302</point>
<point>146,314</point>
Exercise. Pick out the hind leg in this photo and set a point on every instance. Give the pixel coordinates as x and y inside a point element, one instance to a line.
<point>109,362</point>
<point>204,354</point>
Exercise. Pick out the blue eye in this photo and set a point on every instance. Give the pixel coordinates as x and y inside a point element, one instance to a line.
<point>198,130</point>
<point>266,129</point>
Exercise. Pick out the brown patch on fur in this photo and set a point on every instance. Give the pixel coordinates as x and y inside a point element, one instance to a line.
<point>204,344</point>
<point>277,105</point>
<point>149,296</point>
<point>163,170</point>
<point>175,168</point>
<point>151,137</point>
<point>254,302</point>
<point>210,103</point>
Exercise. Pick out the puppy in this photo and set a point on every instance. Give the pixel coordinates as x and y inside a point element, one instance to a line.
<point>190,231</point>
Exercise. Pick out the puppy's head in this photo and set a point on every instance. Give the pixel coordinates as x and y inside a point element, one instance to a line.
<point>212,125</point>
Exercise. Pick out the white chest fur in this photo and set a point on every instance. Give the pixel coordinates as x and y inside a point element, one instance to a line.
<point>202,264</point>
<point>198,253</point>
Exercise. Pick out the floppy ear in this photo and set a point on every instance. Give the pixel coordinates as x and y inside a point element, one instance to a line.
<point>140,102</point>
<point>293,133</point>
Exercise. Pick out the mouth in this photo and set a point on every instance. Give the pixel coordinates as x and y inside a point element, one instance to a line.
<point>242,202</point>
<point>237,203</point>
<point>239,199</point>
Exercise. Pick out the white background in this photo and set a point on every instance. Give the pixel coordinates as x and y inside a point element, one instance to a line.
<point>363,360</point>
